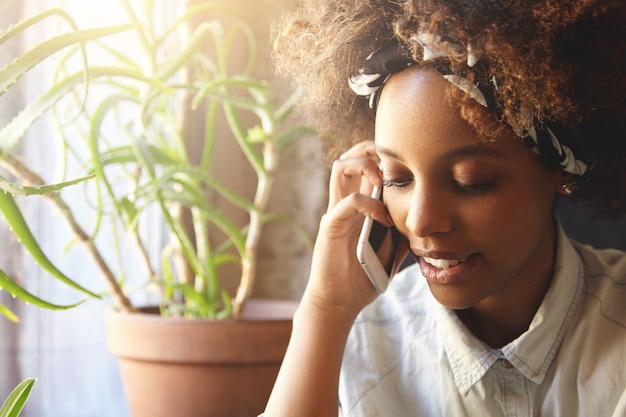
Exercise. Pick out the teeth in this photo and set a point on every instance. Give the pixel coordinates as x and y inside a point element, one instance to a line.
<point>443,263</point>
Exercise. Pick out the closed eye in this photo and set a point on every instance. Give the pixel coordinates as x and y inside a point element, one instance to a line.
<point>397,183</point>
<point>475,188</point>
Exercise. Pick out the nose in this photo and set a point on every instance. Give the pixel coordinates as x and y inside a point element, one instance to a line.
<point>430,211</point>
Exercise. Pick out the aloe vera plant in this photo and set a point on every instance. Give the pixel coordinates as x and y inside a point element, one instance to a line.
<point>151,106</point>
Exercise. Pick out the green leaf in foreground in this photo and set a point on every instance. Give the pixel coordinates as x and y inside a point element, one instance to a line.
<point>4,310</point>
<point>14,403</point>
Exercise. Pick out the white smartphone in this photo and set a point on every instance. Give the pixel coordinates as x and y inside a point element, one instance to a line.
<point>377,250</point>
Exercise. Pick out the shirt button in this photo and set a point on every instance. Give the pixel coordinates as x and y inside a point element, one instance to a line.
<point>506,363</point>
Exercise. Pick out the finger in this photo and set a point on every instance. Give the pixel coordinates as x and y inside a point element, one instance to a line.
<point>356,206</point>
<point>364,148</point>
<point>335,277</point>
<point>354,175</point>
<point>348,172</point>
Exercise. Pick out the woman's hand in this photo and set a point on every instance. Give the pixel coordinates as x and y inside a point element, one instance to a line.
<point>338,283</point>
<point>338,288</point>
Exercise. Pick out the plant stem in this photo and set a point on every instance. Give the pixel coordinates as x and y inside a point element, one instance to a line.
<point>261,200</point>
<point>17,168</point>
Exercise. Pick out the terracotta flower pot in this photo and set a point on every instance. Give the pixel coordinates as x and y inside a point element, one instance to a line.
<point>174,367</point>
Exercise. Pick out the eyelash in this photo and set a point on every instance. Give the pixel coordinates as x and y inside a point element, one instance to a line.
<point>396,183</point>
<point>475,188</point>
<point>464,188</point>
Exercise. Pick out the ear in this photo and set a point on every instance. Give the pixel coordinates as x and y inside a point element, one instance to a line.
<point>567,184</point>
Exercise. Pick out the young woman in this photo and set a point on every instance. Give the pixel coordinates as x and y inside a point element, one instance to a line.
<point>473,116</point>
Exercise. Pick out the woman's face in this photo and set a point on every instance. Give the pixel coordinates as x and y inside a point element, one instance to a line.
<point>478,216</point>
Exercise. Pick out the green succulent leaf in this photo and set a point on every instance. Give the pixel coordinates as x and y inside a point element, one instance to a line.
<point>228,307</point>
<point>18,291</point>
<point>291,136</point>
<point>15,130</point>
<point>13,30</point>
<point>15,402</point>
<point>4,310</point>
<point>13,216</point>
<point>257,135</point>
<point>13,71</point>
<point>287,107</point>
<point>16,189</point>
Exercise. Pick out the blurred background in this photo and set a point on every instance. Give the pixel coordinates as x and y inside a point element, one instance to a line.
<point>66,350</point>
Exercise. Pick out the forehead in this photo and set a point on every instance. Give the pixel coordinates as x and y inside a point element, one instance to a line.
<point>415,114</point>
<point>413,103</point>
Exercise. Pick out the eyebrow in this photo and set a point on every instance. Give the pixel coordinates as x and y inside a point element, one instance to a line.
<point>464,152</point>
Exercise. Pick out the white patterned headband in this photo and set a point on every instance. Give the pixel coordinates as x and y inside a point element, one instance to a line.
<point>548,141</point>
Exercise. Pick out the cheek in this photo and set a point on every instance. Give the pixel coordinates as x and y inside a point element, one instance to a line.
<point>510,223</point>
<point>524,198</point>
<point>503,224</point>
<point>398,209</point>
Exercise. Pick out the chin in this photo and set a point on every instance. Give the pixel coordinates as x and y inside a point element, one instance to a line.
<point>454,300</point>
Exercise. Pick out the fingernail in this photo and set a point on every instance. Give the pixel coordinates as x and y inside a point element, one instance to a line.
<point>390,220</point>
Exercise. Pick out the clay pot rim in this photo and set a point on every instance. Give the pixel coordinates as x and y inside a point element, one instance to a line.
<point>256,310</point>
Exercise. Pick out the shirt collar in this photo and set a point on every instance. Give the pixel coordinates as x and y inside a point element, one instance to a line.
<point>533,351</point>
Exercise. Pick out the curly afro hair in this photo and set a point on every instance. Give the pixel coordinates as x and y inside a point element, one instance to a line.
<point>553,61</point>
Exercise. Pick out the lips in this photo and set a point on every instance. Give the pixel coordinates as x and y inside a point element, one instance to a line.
<point>443,263</point>
<point>446,268</point>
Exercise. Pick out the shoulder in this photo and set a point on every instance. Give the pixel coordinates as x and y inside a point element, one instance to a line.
<point>609,264</point>
<point>605,284</point>
<point>594,349</point>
